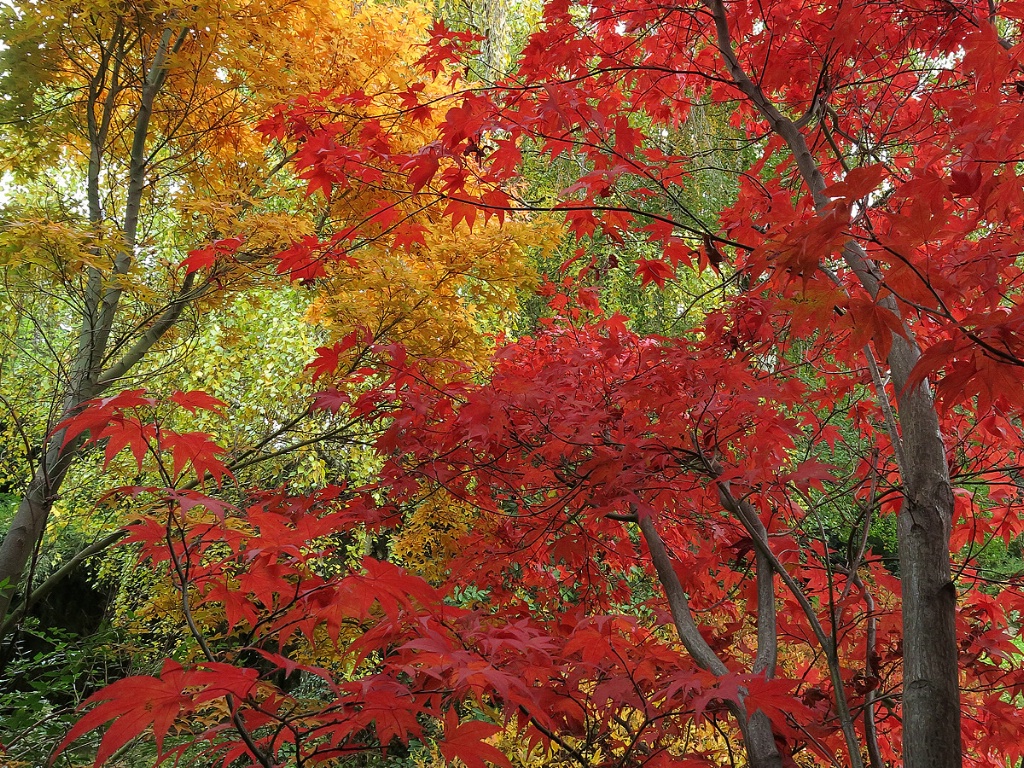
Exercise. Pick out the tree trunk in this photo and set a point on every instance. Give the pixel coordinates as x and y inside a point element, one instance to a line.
<point>931,697</point>
<point>931,692</point>
<point>29,523</point>
<point>758,737</point>
<point>760,742</point>
<point>101,306</point>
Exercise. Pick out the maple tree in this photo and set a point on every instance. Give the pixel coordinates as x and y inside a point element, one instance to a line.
<point>649,429</point>
<point>865,363</point>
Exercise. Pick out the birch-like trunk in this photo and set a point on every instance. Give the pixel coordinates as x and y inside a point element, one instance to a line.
<point>102,298</point>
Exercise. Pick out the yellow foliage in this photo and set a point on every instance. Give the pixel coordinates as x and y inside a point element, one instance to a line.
<point>212,175</point>
<point>439,299</point>
<point>45,243</point>
<point>717,745</point>
<point>429,537</point>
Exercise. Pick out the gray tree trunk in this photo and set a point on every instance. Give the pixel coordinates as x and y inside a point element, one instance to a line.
<point>931,696</point>
<point>759,741</point>
<point>87,378</point>
<point>931,672</point>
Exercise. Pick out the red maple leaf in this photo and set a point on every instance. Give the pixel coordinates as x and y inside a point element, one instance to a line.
<point>466,742</point>
<point>134,704</point>
<point>654,271</point>
<point>198,449</point>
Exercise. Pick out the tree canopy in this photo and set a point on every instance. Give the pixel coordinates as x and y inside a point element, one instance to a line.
<point>650,396</point>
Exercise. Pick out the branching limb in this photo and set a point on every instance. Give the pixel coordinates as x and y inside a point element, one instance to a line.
<point>678,602</point>
<point>57,577</point>
<point>749,519</point>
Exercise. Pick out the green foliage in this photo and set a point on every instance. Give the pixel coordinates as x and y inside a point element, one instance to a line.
<point>715,152</point>
<point>46,674</point>
<point>504,25</point>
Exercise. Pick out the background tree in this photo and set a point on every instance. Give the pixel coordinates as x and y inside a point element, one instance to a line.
<point>172,162</point>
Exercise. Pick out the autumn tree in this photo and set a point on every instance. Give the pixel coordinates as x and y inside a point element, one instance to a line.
<point>146,199</point>
<point>123,110</point>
